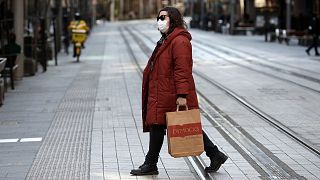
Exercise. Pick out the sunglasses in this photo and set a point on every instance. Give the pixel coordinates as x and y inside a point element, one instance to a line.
<point>162,17</point>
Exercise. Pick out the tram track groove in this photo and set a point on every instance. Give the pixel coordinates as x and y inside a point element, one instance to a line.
<point>236,52</point>
<point>264,73</point>
<point>274,122</point>
<point>147,51</point>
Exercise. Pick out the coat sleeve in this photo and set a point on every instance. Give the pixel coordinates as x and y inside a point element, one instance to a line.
<point>182,57</point>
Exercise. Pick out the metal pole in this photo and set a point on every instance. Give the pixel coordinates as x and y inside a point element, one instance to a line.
<point>288,19</point>
<point>217,14</point>
<point>191,8</point>
<point>71,10</point>
<point>266,25</point>
<point>232,15</point>
<point>202,14</point>
<point>55,41</point>
<point>58,18</point>
<point>94,12</point>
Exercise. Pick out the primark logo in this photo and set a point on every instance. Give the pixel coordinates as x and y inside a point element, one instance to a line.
<point>185,130</point>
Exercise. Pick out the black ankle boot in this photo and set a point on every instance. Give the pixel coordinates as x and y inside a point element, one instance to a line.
<point>145,169</point>
<point>308,52</point>
<point>216,163</point>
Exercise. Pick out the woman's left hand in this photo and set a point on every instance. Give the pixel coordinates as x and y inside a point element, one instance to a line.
<point>181,101</point>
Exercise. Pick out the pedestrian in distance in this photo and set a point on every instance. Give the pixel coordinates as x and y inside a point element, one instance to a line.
<point>11,51</point>
<point>12,48</point>
<point>168,82</point>
<point>66,38</point>
<point>42,56</point>
<point>314,29</point>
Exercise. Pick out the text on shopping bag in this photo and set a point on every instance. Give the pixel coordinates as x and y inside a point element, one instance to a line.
<point>184,130</point>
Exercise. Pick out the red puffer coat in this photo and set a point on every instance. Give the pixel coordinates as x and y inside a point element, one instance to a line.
<point>167,74</point>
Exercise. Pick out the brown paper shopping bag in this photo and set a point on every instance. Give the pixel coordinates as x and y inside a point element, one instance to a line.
<point>184,133</point>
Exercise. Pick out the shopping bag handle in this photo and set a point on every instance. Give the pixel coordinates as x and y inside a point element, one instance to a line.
<point>182,105</point>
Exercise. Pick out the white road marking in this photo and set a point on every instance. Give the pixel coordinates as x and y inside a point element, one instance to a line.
<point>8,140</point>
<point>37,139</point>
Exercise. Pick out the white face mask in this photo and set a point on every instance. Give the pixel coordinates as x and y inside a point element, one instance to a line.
<point>162,26</point>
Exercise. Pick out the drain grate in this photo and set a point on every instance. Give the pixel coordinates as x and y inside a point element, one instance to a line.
<point>65,152</point>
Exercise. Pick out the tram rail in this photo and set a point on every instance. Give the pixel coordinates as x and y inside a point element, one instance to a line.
<point>271,75</point>
<point>236,51</point>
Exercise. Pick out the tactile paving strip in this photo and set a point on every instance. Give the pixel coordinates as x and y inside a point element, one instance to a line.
<point>65,152</point>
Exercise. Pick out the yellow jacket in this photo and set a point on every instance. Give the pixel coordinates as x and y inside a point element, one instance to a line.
<point>78,25</point>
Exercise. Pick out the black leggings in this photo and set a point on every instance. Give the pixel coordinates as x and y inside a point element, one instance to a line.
<point>157,133</point>
<point>314,44</point>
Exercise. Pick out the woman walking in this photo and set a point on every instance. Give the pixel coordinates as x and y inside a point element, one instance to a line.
<point>168,82</point>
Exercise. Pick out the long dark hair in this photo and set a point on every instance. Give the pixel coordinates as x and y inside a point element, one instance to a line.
<point>176,19</point>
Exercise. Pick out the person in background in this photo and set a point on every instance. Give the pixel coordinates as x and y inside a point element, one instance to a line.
<point>78,24</point>
<point>66,34</point>
<point>168,82</point>
<point>12,48</point>
<point>314,29</point>
<point>42,45</point>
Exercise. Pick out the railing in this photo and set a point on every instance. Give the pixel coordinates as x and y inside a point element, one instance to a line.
<point>2,89</point>
<point>10,66</point>
<point>2,64</point>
